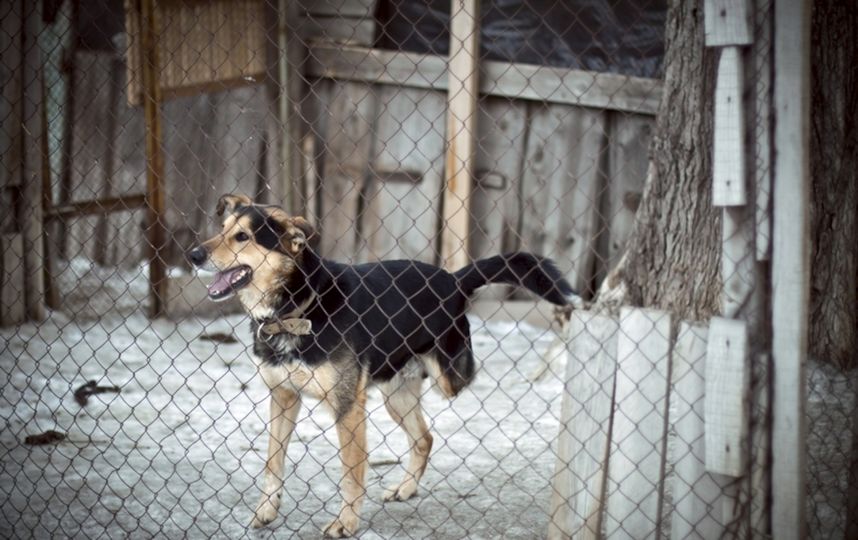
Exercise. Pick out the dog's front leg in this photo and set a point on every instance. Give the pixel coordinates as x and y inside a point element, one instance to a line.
<point>285,405</point>
<point>351,430</point>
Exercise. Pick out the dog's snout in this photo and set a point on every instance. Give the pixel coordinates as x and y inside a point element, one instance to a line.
<point>198,256</point>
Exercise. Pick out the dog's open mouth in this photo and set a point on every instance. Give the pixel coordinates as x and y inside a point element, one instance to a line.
<point>227,282</point>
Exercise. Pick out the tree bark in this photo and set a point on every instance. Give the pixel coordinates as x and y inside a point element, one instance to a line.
<point>834,171</point>
<point>672,259</point>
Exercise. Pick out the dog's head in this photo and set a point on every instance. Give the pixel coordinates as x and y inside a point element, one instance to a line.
<point>257,250</point>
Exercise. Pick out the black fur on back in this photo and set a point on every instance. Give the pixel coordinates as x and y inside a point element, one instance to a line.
<point>384,314</point>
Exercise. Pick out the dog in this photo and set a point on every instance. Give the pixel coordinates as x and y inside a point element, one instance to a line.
<point>339,328</point>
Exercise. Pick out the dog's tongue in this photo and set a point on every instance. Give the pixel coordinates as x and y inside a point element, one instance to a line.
<point>222,282</point>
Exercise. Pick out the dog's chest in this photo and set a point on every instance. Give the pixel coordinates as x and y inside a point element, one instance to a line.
<point>294,375</point>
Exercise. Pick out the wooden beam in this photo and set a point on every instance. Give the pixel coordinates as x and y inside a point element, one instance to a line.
<point>578,492</point>
<point>96,207</point>
<point>727,22</point>
<point>461,131</point>
<point>504,79</point>
<point>156,227</point>
<point>790,265</point>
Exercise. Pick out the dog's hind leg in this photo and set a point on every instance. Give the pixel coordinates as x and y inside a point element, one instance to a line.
<point>285,405</point>
<point>351,430</point>
<point>402,401</point>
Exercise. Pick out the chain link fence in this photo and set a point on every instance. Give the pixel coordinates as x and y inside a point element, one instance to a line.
<point>344,112</point>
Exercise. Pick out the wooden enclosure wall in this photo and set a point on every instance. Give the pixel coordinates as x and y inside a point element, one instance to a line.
<point>554,177</point>
<point>561,155</point>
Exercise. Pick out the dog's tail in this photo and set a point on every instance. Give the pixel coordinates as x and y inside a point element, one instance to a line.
<point>532,272</point>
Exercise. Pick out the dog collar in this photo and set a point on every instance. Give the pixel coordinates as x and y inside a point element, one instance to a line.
<point>294,326</point>
<point>290,324</point>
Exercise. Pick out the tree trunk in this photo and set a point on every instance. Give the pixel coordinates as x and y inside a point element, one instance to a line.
<point>672,259</point>
<point>834,171</point>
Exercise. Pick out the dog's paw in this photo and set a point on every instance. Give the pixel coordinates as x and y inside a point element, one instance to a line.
<point>266,512</point>
<point>400,492</point>
<point>342,527</point>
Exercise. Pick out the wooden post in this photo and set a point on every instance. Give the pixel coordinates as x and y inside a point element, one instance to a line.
<point>461,130</point>
<point>31,182</point>
<point>154,159</point>
<point>790,265</point>
<point>290,59</point>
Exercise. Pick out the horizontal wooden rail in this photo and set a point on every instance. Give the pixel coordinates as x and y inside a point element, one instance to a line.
<point>96,207</point>
<point>520,81</point>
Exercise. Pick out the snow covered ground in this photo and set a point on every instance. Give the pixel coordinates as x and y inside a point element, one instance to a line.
<point>179,450</point>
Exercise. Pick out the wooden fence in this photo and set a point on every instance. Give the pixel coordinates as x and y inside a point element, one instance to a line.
<point>654,431</point>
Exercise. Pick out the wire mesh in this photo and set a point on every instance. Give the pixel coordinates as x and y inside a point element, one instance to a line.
<point>577,423</point>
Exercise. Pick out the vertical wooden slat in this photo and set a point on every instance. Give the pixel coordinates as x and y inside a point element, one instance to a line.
<point>790,265</point>
<point>578,486</point>
<point>760,444</point>
<point>697,494</point>
<point>727,22</point>
<point>461,123</point>
<point>156,228</point>
<point>728,156</point>
<point>727,380</point>
<point>636,465</point>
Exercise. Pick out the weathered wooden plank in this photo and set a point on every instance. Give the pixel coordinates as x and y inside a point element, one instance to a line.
<point>582,445</point>
<point>728,156</point>
<point>790,265</point>
<point>349,135</point>
<point>400,216</point>
<point>628,161</point>
<point>495,199</point>
<point>727,22</point>
<point>697,494</point>
<point>462,77</point>
<point>350,30</point>
<point>341,8</point>
<point>560,187</point>
<point>636,462</point>
<point>763,121</point>
<point>518,81</point>
<point>13,308</point>
<point>727,385</point>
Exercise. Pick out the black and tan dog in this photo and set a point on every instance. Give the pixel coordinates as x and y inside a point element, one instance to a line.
<point>389,323</point>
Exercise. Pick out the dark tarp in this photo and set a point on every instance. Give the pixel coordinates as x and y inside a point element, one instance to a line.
<point>621,36</point>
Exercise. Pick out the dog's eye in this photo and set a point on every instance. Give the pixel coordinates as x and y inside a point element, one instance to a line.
<point>241,237</point>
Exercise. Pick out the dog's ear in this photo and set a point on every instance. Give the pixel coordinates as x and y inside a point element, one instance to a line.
<point>229,202</point>
<point>298,233</point>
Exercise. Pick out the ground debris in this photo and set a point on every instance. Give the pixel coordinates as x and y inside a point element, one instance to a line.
<point>48,437</point>
<point>219,337</point>
<point>81,395</point>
